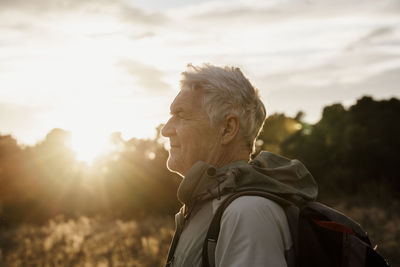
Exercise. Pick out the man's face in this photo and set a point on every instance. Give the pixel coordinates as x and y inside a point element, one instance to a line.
<point>191,136</point>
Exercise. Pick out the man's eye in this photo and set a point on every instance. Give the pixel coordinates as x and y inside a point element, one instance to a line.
<point>180,115</point>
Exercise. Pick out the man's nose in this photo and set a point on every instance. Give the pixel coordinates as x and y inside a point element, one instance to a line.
<point>167,130</point>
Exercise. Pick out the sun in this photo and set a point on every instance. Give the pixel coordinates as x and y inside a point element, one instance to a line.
<point>88,146</point>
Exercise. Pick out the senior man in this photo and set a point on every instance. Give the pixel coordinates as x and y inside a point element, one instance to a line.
<point>215,120</point>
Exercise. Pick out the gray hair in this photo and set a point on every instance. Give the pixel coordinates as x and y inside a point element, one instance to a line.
<point>227,91</point>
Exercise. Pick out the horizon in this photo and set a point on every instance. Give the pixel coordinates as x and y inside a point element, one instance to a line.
<point>89,148</point>
<point>152,136</point>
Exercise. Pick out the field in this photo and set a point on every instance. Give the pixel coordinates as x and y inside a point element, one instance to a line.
<point>88,242</point>
<point>95,242</point>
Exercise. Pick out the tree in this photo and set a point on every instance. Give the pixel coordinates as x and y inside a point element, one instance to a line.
<point>351,150</point>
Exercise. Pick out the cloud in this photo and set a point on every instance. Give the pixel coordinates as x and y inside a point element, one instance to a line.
<point>143,35</point>
<point>289,10</point>
<point>375,51</point>
<point>37,9</point>
<point>39,5</point>
<point>133,36</point>
<point>370,65</point>
<point>376,37</point>
<point>291,34</point>
<point>16,26</point>
<point>146,76</point>
<point>312,99</point>
<point>131,14</point>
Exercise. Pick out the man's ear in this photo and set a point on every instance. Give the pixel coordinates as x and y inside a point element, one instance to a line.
<point>230,129</point>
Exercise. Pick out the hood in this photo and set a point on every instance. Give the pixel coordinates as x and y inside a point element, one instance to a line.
<point>267,171</point>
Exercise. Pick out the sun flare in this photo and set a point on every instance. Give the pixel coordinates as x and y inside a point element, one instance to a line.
<point>88,147</point>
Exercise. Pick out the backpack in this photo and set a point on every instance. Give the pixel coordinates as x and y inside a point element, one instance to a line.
<point>321,236</point>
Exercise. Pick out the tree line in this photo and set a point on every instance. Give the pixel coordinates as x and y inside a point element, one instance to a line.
<point>352,153</point>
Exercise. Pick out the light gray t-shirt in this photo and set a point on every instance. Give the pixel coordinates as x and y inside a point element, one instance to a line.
<point>254,232</point>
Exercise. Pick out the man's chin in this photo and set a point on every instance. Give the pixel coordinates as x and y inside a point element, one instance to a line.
<point>172,166</point>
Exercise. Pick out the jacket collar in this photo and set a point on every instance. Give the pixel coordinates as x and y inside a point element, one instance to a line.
<point>269,172</point>
<point>204,181</point>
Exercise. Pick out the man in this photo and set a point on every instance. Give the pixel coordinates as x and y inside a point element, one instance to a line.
<point>215,120</point>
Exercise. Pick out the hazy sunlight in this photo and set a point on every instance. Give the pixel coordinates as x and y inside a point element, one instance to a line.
<point>89,145</point>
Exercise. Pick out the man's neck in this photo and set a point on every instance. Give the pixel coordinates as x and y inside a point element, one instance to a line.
<point>229,155</point>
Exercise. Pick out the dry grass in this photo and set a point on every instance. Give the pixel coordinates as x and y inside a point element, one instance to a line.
<point>89,242</point>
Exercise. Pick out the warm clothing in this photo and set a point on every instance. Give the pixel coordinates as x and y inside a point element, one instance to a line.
<point>254,230</point>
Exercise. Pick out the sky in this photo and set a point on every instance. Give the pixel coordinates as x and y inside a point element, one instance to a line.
<point>94,67</point>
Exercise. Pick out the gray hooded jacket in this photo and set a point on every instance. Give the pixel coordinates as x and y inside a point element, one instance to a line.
<point>254,230</point>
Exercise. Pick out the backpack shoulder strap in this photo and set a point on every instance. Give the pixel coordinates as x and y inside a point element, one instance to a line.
<point>210,242</point>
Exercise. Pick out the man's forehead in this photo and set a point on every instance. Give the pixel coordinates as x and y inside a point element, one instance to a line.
<point>186,100</point>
